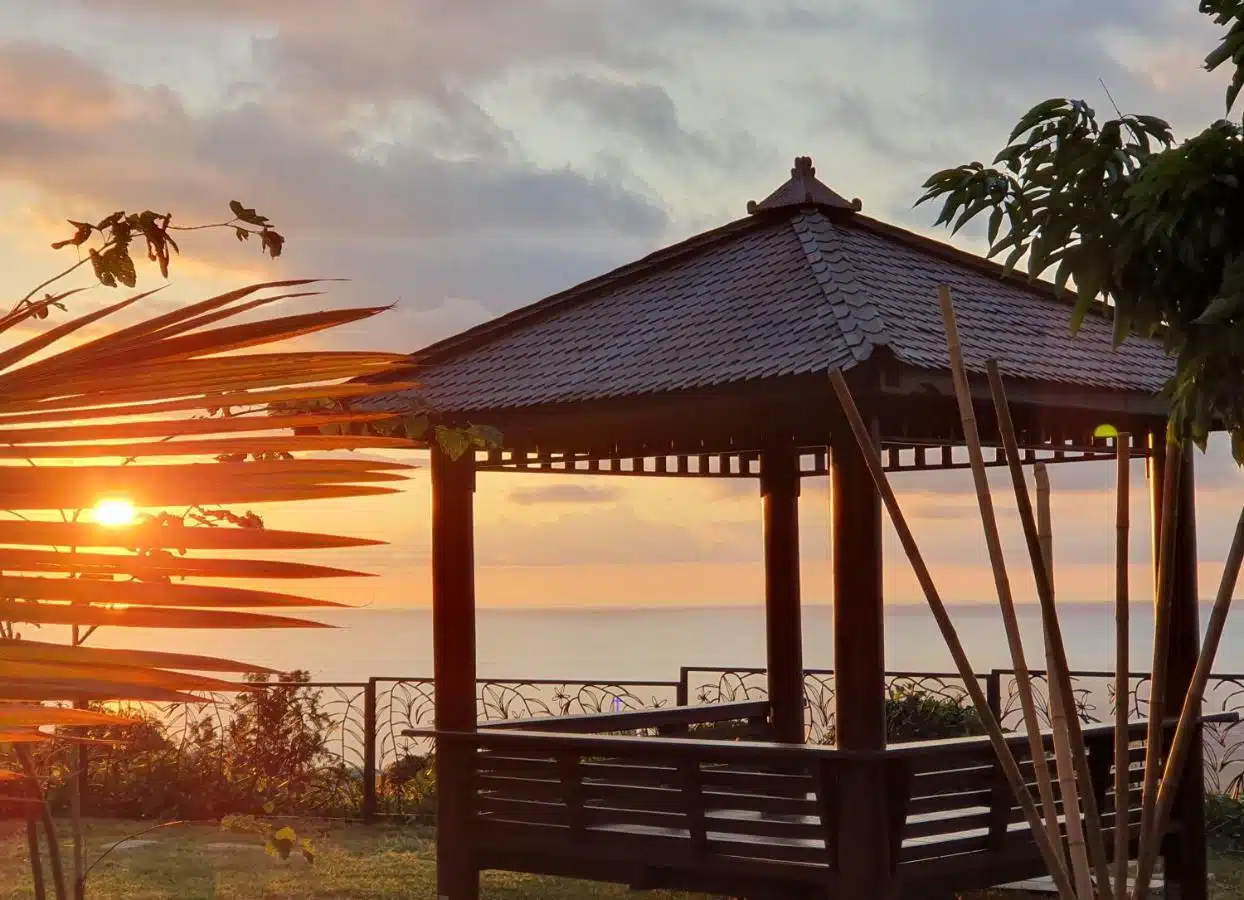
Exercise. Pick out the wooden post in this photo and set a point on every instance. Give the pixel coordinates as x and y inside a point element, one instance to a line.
<point>1154,468</point>
<point>859,664</point>
<point>859,634</point>
<point>453,666</point>
<point>864,436</point>
<point>1122,662</point>
<point>1185,860</point>
<point>369,752</point>
<point>779,487</point>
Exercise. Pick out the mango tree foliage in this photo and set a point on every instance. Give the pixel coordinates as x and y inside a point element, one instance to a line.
<point>1148,231</point>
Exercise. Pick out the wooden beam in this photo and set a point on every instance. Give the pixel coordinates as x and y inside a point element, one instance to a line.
<point>779,488</point>
<point>739,464</point>
<point>1185,856</point>
<point>859,642</point>
<point>453,665</point>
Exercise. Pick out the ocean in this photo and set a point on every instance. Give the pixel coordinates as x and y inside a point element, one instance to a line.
<point>649,643</point>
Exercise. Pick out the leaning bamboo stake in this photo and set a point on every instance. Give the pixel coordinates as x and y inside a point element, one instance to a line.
<point>1122,664</point>
<point>1076,847</point>
<point>1185,731</point>
<point>1049,619</point>
<point>1051,855</point>
<point>997,561</point>
<point>1168,519</point>
<point>49,824</point>
<point>33,801</point>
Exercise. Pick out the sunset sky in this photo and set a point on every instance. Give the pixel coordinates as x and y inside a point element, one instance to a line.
<point>464,157</point>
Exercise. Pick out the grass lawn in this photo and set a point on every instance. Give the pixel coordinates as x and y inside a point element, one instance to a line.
<point>352,863</point>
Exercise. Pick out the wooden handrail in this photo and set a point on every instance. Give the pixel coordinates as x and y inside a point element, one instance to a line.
<point>670,717</point>
<point>1101,731</point>
<point>763,752</point>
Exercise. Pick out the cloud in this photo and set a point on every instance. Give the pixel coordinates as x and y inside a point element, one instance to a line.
<point>74,98</point>
<point>406,220</point>
<point>565,494</point>
<point>611,536</point>
<point>646,113</point>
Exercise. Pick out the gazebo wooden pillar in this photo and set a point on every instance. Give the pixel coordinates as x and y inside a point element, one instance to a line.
<point>859,642</point>
<point>453,636</point>
<point>859,664</point>
<point>779,489</point>
<point>1186,866</point>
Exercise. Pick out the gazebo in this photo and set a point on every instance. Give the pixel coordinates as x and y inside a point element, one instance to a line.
<point>709,359</point>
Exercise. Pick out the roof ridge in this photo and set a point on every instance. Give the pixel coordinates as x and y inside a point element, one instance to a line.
<point>859,320</point>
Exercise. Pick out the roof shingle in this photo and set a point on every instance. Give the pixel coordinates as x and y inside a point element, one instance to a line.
<point>798,289</point>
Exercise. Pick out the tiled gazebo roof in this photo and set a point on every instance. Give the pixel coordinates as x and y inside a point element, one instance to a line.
<point>803,284</point>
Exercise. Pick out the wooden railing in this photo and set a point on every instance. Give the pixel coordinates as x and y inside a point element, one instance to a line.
<point>746,719</point>
<point>749,818</point>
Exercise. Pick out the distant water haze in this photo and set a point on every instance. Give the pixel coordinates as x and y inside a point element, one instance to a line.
<point>650,643</point>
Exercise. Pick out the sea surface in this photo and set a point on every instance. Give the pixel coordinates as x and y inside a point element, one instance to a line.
<point>650,643</point>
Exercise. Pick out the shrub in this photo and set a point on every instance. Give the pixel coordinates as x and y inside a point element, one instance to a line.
<point>263,752</point>
<point>917,715</point>
<point>1224,821</point>
<point>914,714</point>
<point>409,785</point>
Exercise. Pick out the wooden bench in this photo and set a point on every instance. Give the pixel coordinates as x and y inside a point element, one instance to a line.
<point>756,819</point>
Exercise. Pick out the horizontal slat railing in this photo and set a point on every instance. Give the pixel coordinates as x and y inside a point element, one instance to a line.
<point>643,809</point>
<point>964,828</point>
<point>642,805</point>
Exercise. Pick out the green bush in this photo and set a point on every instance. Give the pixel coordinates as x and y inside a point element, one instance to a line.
<point>265,752</point>
<point>914,714</point>
<point>1224,822</point>
<point>409,785</point>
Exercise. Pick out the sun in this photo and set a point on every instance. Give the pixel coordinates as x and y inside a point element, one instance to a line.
<point>114,512</point>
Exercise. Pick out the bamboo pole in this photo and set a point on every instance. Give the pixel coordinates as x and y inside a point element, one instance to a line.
<point>997,561</point>
<point>1049,618</point>
<point>32,840</point>
<point>1006,760</point>
<point>1171,477</point>
<point>1076,847</point>
<point>1122,664</point>
<point>1189,716</point>
<point>49,824</point>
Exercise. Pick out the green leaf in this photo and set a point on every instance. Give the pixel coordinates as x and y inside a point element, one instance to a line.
<point>121,264</point>
<point>453,441</point>
<point>102,269</point>
<point>487,437</point>
<point>1036,115</point>
<point>1220,309</point>
<point>995,222</point>
<point>247,215</point>
<point>1084,302</point>
<point>272,242</point>
<point>416,426</point>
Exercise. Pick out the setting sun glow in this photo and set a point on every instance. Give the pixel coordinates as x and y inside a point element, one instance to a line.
<point>114,512</point>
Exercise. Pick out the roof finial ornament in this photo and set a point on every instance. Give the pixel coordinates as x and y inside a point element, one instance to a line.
<point>804,189</point>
